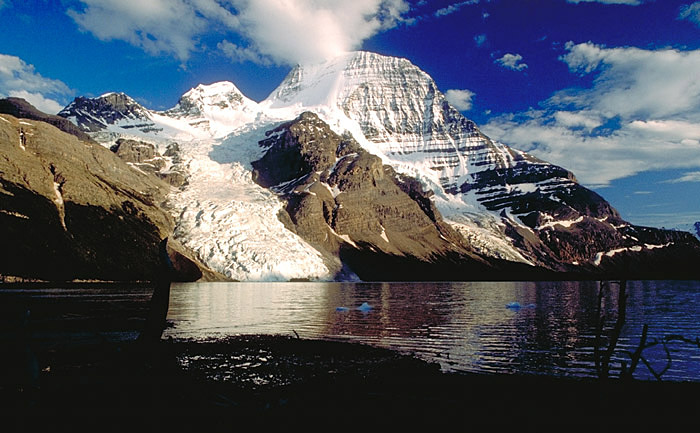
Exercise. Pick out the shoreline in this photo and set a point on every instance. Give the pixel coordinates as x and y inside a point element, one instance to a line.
<point>274,380</point>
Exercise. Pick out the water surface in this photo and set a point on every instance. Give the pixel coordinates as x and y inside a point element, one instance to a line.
<point>462,326</point>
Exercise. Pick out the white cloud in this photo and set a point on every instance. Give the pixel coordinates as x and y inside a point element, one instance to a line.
<point>512,61</point>
<point>454,8</point>
<point>582,119</point>
<point>308,31</point>
<point>157,26</point>
<point>19,79</point>
<point>285,31</point>
<point>641,113</point>
<point>636,82</point>
<point>241,54</point>
<point>460,99</point>
<point>609,2</point>
<point>691,13</point>
<point>693,176</point>
<point>480,40</point>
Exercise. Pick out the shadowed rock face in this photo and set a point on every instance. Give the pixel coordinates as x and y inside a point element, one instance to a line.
<point>341,199</point>
<point>71,209</point>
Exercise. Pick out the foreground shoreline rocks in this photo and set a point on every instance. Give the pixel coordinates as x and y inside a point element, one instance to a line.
<point>315,382</point>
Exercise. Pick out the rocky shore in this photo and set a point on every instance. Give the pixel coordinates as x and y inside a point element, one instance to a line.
<point>276,381</point>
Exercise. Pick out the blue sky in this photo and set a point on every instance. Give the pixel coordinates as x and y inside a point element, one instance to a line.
<point>609,89</point>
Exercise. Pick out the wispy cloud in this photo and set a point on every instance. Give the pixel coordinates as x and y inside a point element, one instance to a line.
<point>691,13</point>
<point>241,54</point>
<point>641,113</point>
<point>693,176</point>
<point>609,2</point>
<point>170,27</point>
<point>454,8</point>
<point>480,40</point>
<point>286,32</point>
<point>19,79</point>
<point>512,61</point>
<point>460,99</point>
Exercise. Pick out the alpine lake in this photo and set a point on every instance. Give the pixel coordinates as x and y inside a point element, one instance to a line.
<point>533,328</point>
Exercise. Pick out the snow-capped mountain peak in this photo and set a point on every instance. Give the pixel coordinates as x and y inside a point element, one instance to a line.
<point>114,108</point>
<point>216,108</point>
<point>220,96</point>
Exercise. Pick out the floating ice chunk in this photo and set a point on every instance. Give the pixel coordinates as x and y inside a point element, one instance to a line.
<point>342,309</point>
<point>364,307</point>
<point>517,306</point>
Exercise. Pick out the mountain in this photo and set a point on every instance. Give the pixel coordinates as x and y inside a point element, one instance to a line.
<point>71,209</point>
<point>362,156</point>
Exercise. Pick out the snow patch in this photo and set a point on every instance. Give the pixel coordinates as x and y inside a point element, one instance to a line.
<point>637,248</point>
<point>14,214</point>
<point>553,223</point>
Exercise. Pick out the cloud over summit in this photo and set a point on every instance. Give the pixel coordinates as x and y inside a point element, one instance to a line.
<point>279,31</point>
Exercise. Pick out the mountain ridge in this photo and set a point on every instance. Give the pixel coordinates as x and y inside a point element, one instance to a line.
<point>506,204</point>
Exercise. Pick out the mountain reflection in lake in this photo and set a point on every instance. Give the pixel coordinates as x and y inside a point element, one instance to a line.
<point>472,326</point>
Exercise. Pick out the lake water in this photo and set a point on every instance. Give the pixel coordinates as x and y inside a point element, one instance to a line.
<point>462,326</point>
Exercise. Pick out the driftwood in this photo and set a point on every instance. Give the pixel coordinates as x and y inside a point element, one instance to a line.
<point>603,356</point>
<point>602,360</point>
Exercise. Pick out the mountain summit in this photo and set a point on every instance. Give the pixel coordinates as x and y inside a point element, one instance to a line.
<point>268,184</point>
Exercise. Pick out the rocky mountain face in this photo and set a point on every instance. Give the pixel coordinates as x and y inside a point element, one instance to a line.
<point>384,168</point>
<point>145,157</point>
<point>71,209</point>
<point>97,114</point>
<point>346,203</point>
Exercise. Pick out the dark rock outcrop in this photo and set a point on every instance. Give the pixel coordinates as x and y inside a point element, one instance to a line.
<point>143,155</point>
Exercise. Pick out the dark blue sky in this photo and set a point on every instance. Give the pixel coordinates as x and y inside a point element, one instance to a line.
<point>565,80</point>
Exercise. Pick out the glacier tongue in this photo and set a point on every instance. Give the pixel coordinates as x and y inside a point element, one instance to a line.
<point>231,222</point>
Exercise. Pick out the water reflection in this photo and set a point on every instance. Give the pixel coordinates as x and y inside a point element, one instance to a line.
<point>464,326</point>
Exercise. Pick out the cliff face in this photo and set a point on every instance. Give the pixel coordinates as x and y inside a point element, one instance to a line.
<point>71,209</point>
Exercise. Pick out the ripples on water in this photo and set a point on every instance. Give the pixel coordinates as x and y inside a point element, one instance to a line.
<point>463,326</point>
